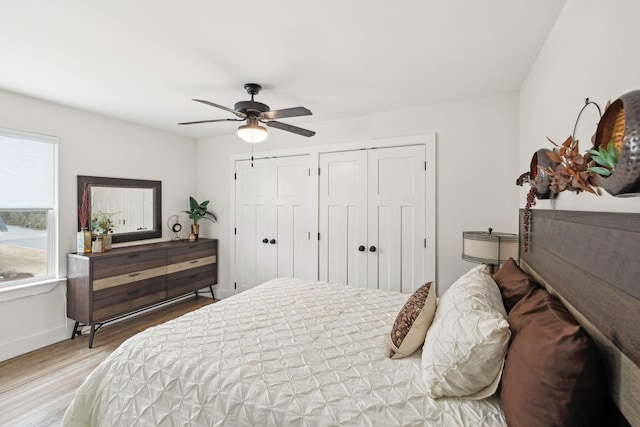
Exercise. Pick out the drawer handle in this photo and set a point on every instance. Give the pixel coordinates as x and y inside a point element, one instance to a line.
<point>193,262</point>
<point>134,256</point>
<point>134,274</point>
<point>193,246</point>
<point>192,277</point>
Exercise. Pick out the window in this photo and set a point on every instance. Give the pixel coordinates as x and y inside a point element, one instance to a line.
<point>28,208</point>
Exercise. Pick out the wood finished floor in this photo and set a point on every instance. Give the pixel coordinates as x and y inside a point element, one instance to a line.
<point>36,388</point>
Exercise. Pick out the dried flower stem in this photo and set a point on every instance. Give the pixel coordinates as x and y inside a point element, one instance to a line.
<point>526,217</point>
<point>83,212</point>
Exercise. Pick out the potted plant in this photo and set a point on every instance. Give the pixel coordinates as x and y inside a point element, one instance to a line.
<point>102,224</point>
<point>196,212</point>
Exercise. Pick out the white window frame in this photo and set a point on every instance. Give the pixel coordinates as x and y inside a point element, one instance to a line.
<point>36,285</point>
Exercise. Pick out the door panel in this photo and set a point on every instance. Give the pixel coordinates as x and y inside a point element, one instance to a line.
<point>342,217</point>
<point>253,197</point>
<point>396,218</point>
<point>291,227</point>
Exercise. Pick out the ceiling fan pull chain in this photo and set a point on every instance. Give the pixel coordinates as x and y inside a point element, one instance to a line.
<point>251,155</point>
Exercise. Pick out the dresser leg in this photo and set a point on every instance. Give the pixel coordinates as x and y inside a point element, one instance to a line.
<point>75,330</point>
<point>93,331</point>
<point>212,295</point>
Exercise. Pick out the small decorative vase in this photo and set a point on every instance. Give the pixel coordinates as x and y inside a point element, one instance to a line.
<point>539,178</point>
<point>97,246</point>
<point>106,242</point>
<point>83,241</point>
<point>195,230</point>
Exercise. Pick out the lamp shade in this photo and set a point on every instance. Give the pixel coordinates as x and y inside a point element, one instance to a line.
<point>486,247</point>
<point>252,132</point>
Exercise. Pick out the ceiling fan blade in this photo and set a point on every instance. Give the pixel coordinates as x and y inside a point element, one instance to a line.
<point>287,112</point>
<point>211,121</point>
<point>237,113</point>
<point>290,128</point>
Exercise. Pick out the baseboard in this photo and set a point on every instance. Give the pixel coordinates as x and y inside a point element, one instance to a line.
<point>224,293</point>
<point>34,342</point>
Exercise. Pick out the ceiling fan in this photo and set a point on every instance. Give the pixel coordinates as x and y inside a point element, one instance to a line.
<point>255,113</point>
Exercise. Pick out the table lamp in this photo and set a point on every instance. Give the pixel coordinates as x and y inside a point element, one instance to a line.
<point>487,247</point>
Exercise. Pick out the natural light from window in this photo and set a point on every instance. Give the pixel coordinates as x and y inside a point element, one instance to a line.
<point>27,207</point>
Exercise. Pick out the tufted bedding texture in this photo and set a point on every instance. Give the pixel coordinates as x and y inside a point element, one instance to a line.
<point>289,352</point>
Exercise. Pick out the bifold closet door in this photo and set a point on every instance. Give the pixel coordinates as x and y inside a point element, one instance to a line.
<point>396,218</point>
<point>272,230</point>
<point>343,218</point>
<point>372,218</point>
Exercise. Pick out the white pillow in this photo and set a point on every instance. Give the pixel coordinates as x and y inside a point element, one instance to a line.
<point>464,350</point>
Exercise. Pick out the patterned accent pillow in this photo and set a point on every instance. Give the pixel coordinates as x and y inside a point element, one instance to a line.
<point>463,353</point>
<point>413,321</point>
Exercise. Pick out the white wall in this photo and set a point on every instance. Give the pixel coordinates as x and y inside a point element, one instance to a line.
<point>477,144</point>
<point>88,145</point>
<point>590,52</point>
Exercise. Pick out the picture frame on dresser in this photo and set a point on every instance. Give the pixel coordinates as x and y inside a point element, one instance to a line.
<point>103,287</point>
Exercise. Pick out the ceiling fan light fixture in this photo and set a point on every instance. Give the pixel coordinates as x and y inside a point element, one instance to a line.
<point>252,132</point>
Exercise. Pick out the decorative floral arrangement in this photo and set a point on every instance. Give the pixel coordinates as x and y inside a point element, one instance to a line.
<point>575,171</point>
<point>102,223</point>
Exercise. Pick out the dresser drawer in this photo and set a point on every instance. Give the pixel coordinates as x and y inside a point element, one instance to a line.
<point>109,266</point>
<point>122,279</point>
<point>132,296</point>
<point>191,264</point>
<point>191,280</point>
<point>192,250</point>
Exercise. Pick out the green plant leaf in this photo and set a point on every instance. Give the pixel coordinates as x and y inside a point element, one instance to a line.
<point>600,170</point>
<point>192,203</point>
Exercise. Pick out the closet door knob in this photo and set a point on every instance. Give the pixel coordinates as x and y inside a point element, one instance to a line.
<point>361,248</point>
<point>272,241</point>
<point>265,240</point>
<point>372,249</point>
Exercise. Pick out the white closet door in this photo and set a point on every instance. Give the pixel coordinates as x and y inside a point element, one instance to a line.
<point>372,218</point>
<point>396,218</point>
<point>254,199</point>
<point>343,217</point>
<point>272,221</point>
<point>290,224</point>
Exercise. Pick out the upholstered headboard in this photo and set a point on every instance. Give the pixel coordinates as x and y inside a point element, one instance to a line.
<point>591,260</point>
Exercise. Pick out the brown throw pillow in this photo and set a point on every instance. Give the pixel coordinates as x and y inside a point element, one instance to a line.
<point>552,373</point>
<point>413,321</point>
<point>514,283</point>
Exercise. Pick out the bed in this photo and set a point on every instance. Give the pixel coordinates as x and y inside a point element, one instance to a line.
<point>291,352</point>
<point>299,352</point>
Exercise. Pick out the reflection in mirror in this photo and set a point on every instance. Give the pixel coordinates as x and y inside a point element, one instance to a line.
<point>132,207</point>
<point>135,205</point>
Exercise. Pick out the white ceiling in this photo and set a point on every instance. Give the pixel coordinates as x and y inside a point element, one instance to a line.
<point>144,60</point>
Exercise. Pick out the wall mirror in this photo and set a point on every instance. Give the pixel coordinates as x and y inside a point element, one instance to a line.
<point>134,203</point>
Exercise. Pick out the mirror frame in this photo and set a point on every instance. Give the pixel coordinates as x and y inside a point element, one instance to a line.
<point>156,186</point>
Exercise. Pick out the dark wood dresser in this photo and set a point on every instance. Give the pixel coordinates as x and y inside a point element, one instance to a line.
<point>105,286</point>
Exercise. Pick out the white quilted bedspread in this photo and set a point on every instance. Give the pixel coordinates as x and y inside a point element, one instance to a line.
<point>288,353</point>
